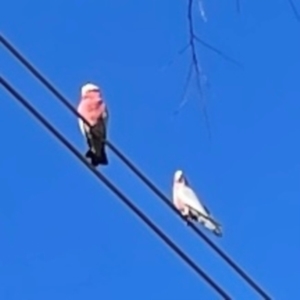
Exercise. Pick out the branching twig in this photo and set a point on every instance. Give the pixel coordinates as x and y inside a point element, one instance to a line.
<point>217,51</point>
<point>195,63</point>
<point>186,85</point>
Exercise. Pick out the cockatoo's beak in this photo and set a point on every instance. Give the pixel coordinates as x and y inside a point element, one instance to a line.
<point>181,179</point>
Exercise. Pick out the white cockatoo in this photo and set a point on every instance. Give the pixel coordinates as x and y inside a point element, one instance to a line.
<point>187,202</point>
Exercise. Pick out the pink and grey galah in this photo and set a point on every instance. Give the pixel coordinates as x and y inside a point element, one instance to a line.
<point>93,109</point>
<point>189,205</point>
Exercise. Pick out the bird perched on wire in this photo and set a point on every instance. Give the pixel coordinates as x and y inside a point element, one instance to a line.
<point>94,110</point>
<point>189,205</point>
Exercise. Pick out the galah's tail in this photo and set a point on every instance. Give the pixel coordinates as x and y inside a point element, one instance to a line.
<point>95,139</point>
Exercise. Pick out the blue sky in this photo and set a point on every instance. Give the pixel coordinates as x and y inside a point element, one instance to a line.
<point>65,236</point>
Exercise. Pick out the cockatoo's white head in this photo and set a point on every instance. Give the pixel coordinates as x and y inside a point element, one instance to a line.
<point>178,176</point>
<point>88,88</point>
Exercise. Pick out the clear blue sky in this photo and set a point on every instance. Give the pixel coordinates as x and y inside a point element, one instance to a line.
<point>65,236</point>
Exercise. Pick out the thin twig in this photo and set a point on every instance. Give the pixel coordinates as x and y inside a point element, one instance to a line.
<point>195,62</point>
<point>217,51</point>
<point>186,85</point>
<point>180,52</point>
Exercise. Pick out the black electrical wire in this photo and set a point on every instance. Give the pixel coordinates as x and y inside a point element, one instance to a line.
<point>130,165</point>
<point>114,189</point>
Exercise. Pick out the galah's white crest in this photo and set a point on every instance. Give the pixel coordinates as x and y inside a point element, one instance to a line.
<point>187,202</point>
<point>94,111</point>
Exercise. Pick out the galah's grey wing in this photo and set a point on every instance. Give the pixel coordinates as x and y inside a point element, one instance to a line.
<point>190,198</point>
<point>96,137</point>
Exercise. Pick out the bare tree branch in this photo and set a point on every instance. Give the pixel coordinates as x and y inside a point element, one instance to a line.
<point>217,51</point>
<point>195,66</point>
<point>196,63</point>
<point>186,85</point>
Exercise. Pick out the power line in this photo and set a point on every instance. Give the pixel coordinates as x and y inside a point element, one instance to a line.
<point>134,169</point>
<point>114,189</point>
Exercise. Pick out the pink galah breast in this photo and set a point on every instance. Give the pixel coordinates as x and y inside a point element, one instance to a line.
<point>92,106</point>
